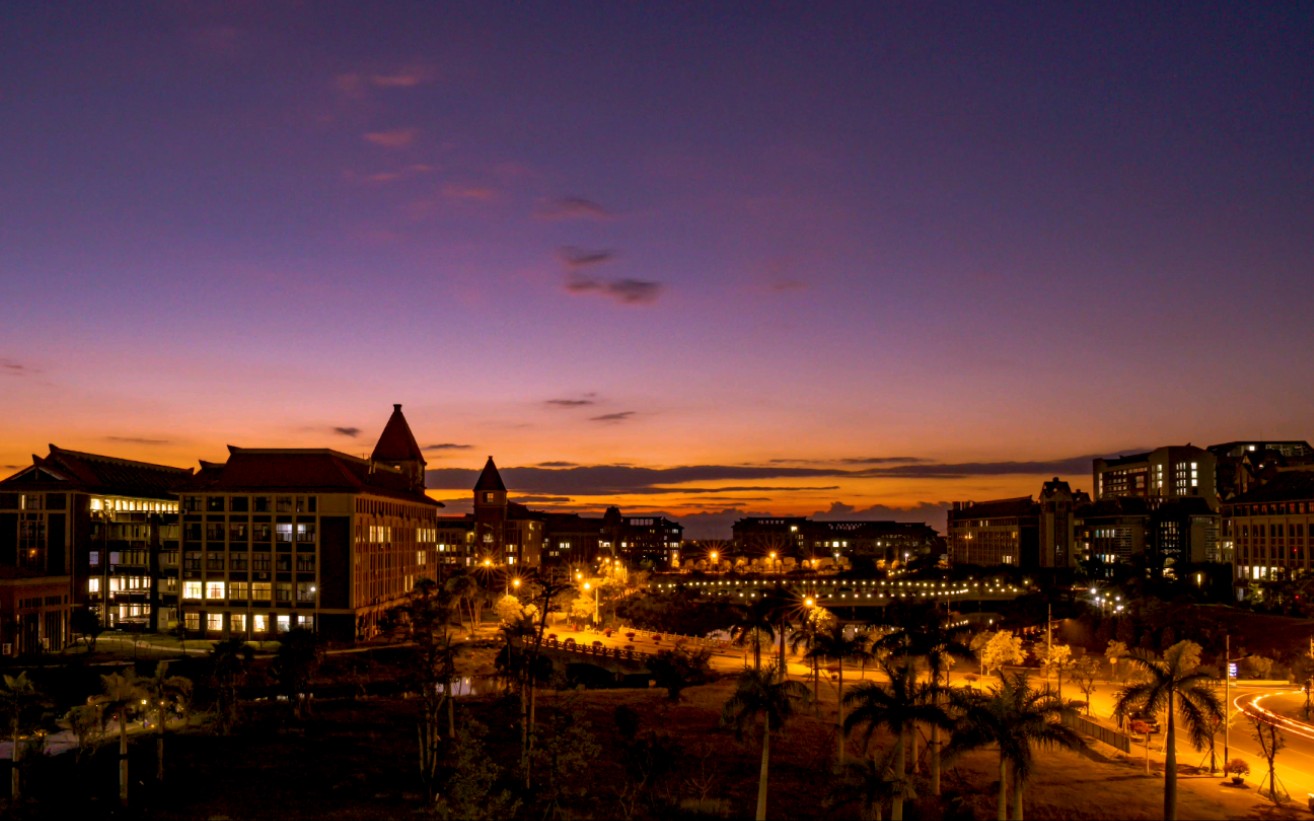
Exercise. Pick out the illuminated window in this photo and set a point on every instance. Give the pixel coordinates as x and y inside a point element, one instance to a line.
<point>93,585</point>
<point>261,591</point>
<point>214,590</point>
<point>191,590</point>
<point>214,621</point>
<point>238,621</point>
<point>261,623</point>
<point>237,591</point>
<point>192,621</point>
<point>284,623</point>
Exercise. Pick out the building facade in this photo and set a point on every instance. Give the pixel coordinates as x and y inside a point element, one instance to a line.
<point>1171,472</point>
<point>1270,529</point>
<point>275,539</point>
<point>806,539</point>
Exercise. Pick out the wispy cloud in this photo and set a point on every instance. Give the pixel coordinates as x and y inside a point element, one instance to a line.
<point>408,77</point>
<point>136,440</point>
<point>9,367</point>
<point>881,460</point>
<point>625,291</point>
<point>347,431</point>
<point>397,138</point>
<point>574,257</point>
<point>541,500</point>
<point>612,417</point>
<point>475,193</point>
<point>568,208</point>
<point>557,465</point>
<point>448,446</point>
<point>570,403</point>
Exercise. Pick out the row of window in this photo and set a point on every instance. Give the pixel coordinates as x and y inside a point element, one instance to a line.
<point>260,532</point>
<point>260,622</point>
<point>249,591</point>
<point>250,504</point>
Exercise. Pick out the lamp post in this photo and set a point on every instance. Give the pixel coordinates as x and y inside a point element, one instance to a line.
<point>314,600</point>
<point>594,587</point>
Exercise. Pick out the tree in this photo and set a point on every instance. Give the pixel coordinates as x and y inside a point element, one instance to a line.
<point>674,670</point>
<point>759,696</point>
<point>465,588</point>
<point>581,608</point>
<point>1173,685</point>
<point>508,609</point>
<point>298,658</point>
<point>427,617</point>
<point>85,622</point>
<point>165,693</point>
<point>229,660</point>
<point>1017,718</point>
<point>750,627</point>
<point>1084,672</point>
<point>1002,648</point>
<point>121,694</point>
<point>19,696</point>
<point>83,722</point>
<point>1270,740</point>
<point>834,644</point>
<point>469,793</point>
<point>894,706</point>
<point>1257,666</point>
<point>568,749</point>
<point>1056,657</point>
<point>866,783</point>
<point>1115,651</point>
<point>936,645</point>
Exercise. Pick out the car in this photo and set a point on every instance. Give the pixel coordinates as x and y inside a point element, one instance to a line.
<point>1144,723</point>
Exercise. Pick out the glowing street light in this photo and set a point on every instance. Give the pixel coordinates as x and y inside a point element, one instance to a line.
<point>587,586</point>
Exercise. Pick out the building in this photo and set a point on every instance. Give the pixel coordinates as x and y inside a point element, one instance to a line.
<point>1269,529</point>
<point>801,538</point>
<point>1163,473</point>
<point>274,539</point>
<point>1245,464</point>
<point>505,533</point>
<point>107,527</point>
<point>997,532</point>
<point>645,541</point>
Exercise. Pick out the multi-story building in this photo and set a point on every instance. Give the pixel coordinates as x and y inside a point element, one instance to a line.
<point>647,541</point>
<point>807,539</point>
<point>1245,464</point>
<point>279,538</point>
<point>107,527</point>
<point>1001,531</point>
<point>1164,473</point>
<point>1270,529</point>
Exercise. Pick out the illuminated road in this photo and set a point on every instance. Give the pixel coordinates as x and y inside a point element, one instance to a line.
<point>1295,761</point>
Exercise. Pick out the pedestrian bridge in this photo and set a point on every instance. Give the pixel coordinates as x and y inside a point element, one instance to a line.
<point>846,592</point>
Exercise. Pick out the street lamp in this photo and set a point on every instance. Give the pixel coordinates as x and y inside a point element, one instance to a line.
<point>714,556</point>
<point>587,587</point>
<point>773,560</point>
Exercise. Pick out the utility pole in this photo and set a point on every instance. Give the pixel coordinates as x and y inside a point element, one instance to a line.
<point>1227,696</point>
<point>1049,642</point>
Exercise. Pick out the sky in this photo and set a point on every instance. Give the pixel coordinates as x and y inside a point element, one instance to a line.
<point>706,259</point>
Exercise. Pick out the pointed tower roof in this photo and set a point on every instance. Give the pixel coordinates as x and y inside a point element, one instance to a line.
<point>490,479</point>
<point>397,443</point>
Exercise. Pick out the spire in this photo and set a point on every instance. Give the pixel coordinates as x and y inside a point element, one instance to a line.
<point>397,443</point>
<point>490,479</point>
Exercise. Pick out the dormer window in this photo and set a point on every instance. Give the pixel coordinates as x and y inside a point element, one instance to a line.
<point>488,497</point>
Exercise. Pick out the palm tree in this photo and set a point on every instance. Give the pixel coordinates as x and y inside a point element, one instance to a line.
<point>228,662</point>
<point>122,694</point>
<point>937,645</point>
<point>298,658</point>
<point>894,706</point>
<point>465,588</point>
<point>760,695</point>
<point>19,692</point>
<point>164,691</point>
<point>1017,718</point>
<point>1173,685</point>
<point>834,644</point>
<point>866,783</point>
<point>752,624</point>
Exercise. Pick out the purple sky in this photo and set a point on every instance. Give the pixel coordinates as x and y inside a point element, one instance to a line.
<point>702,236</point>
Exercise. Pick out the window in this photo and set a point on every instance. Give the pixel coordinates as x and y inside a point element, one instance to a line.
<point>191,590</point>
<point>305,562</point>
<point>238,531</point>
<point>238,621</point>
<point>237,591</point>
<point>283,562</point>
<point>283,592</point>
<point>260,562</point>
<point>420,558</point>
<point>260,504</point>
<point>192,621</point>
<point>238,504</point>
<point>214,531</point>
<point>93,585</point>
<point>214,590</point>
<point>306,532</point>
<point>237,561</point>
<point>214,504</point>
<point>283,531</point>
<point>261,623</point>
<point>306,592</point>
<point>284,623</point>
<point>283,504</point>
<point>214,622</point>
<point>308,622</point>
<point>261,591</point>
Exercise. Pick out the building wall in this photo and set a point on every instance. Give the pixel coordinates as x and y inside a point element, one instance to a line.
<point>1269,540</point>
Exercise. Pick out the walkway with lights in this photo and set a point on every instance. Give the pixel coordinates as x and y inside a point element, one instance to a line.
<point>848,592</point>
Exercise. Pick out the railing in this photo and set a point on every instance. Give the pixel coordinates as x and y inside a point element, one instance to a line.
<point>1114,738</point>
<point>597,649</point>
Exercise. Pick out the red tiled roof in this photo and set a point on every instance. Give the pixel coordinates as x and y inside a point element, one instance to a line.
<point>490,479</point>
<point>397,443</point>
<point>318,470</point>
<point>105,474</point>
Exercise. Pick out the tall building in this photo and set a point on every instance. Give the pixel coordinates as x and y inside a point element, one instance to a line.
<point>1163,473</point>
<point>1270,529</point>
<point>505,533</point>
<point>997,532</point>
<point>1245,464</point>
<point>106,528</point>
<point>279,538</point>
<point>807,539</point>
